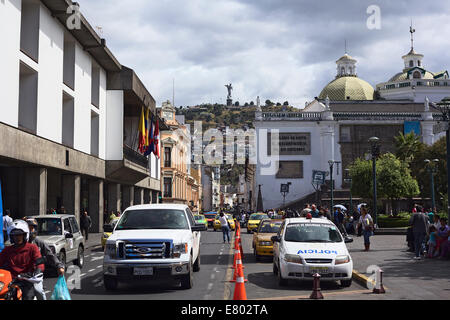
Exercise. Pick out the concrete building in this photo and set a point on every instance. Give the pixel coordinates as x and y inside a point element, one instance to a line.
<point>338,123</point>
<point>67,117</point>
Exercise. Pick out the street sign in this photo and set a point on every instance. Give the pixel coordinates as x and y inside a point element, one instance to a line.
<point>284,188</point>
<point>440,127</point>
<point>318,177</point>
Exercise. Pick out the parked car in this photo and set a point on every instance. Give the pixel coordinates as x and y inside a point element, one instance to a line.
<point>199,218</point>
<point>210,216</point>
<point>62,233</point>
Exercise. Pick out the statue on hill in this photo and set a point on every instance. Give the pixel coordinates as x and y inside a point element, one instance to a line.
<point>229,87</point>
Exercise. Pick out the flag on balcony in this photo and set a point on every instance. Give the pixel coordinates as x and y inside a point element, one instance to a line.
<point>147,120</point>
<point>142,134</point>
<point>155,139</point>
<point>149,148</point>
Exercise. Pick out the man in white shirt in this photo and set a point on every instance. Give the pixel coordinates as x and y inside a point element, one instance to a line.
<point>7,222</point>
<point>225,228</point>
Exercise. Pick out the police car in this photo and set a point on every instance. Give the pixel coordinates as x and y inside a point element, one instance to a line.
<point>305,246</point>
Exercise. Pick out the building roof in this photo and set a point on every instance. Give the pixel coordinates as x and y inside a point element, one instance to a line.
<point>348,88</point>
<point>404,75</point>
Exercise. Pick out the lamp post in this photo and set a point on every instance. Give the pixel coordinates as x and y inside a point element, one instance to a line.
<point>375,151</point>
<point>331,164</point>
<point>444,107</point>
<point>349,181</point>
<point>432,169</point>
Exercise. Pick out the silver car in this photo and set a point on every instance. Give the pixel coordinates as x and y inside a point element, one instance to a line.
<point>62,233</point>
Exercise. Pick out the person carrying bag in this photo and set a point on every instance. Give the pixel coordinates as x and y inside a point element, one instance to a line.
<point>60,292</point>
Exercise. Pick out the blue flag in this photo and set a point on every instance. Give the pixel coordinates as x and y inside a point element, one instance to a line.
<point>2,241</point>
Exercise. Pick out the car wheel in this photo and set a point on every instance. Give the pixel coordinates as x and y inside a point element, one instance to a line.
<point>62,258</point>
<point>346,283</point>
<point>80,257</point>
<point>110,283</point>
<point>282,282</point>
<point>187,281</point>
<point>196,267</point>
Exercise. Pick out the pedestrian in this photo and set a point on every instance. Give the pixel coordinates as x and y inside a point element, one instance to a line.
<point>340,222</point>
<point>314,211</point>
<point>366,226</point>
<point>432,242</point>
<point>430,214</point>
<point>225,227</point>
<point>437,221</point>
<point>442,232</point>
<point>419,223</point>
<point>305,211</point>
<point>118,213</point>
<point>85,224</point>
<point>356,215</point>
<point>7,222</point>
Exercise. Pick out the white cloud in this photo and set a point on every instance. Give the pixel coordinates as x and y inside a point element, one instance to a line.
<point>279,50</point>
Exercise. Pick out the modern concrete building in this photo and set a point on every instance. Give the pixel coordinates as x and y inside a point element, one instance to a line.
<point>68,113</point>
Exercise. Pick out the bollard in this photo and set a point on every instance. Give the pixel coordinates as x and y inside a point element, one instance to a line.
<point>316,294</point>
<point>379,283</point>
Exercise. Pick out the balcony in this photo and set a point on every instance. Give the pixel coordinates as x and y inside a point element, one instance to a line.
<point>132,169</point>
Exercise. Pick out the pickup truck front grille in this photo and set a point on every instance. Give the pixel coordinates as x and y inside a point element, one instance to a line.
<point>145,249</point>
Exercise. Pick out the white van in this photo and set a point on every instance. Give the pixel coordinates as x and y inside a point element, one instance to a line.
<point>304,247</point>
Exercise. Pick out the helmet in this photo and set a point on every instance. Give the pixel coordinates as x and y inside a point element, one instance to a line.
<point>19,227</point>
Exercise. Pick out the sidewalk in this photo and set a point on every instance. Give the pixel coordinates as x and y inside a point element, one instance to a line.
<point>94,240</point>
<point>403,277</point>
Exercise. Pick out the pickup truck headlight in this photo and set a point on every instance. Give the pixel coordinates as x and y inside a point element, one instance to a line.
<point>110,250</point>
<point>342,259</point>
<point>293,258</point>
<point>179,249</point>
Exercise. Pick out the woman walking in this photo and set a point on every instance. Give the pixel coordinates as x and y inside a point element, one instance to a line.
<point>366,225</point>
<point>225,227</point>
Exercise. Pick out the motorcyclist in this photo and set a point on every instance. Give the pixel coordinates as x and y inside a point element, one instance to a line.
<point>46,253</point>
<point>22,258</point>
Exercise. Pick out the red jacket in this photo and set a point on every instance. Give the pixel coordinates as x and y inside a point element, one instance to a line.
<point>20,260</point>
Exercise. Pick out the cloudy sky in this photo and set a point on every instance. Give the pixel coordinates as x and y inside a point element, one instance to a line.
<point>277,49</point>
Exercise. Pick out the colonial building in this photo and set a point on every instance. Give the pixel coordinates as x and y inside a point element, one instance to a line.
<point>337,125</point>
<point>177,183</point>
<point>67,115</point>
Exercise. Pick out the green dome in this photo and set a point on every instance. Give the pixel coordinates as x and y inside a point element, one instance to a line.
<point>404,76</point>
<point>347,88</point>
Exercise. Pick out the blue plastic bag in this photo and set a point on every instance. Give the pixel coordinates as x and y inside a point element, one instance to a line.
<point>60,292</point>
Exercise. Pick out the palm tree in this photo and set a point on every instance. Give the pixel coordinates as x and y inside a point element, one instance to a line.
<point>407,146</point>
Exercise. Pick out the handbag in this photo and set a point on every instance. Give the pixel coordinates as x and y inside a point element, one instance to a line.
<point>60,292</point>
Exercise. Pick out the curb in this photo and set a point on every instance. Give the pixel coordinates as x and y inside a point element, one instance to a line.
<point>361,279</point>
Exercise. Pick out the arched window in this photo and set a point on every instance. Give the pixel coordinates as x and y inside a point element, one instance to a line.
<point>350,70</point>
<point>416,75</point>
<point>411,63</point>
<point>342,70</point>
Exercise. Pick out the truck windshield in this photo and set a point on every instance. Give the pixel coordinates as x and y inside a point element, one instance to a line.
<point>309,232</point>
<point>49,227</point>
<point>153,219</point>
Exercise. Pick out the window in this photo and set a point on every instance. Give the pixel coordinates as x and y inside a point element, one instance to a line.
<point>345,134</point>
<point>94,134</point>
<point>411,63</point>
<point>416,75</point>
<point>28,86</point>
<point>29,29</point>
<point>67,227</point>
<point>342,70</point>
<point>69,61</point>
<point>167,187</point>
<point>167,157</point>
<point>95,85</point>
<point>74,225</point>
<point>68,120</point>
<point>418,63</point>
<point>290,169</point>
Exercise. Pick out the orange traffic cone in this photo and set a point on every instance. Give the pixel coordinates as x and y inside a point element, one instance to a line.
<point>239,288</point>
<point>238,265</point>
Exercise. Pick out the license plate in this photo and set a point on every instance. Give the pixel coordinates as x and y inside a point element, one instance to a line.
<point>319,270</point>
<point>143,271</point>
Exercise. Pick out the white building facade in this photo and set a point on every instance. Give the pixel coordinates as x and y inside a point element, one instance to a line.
<point>64,107</point>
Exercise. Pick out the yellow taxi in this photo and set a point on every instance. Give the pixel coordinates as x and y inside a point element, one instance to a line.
<point>106,235</point>
<point>218,226</point>
<point>254,220</point>
<point>262,245</point>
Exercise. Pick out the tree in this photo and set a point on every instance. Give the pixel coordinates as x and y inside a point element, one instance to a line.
<point>286,103</point>
<point>252,103</point>
<point>278,104</point>
<point>408,146</point>
<point>269,103</point>
<point>236,103</point>
<point>394,180</point>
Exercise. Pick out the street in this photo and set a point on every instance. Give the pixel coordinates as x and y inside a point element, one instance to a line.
<point>210,283</point>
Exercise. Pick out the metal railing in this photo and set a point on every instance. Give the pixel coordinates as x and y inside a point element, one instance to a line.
<point>134,156</point>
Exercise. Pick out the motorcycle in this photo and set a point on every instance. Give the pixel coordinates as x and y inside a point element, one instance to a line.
<point>9,287</point>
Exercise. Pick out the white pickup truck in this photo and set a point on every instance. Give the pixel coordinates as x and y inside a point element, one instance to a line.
<point>153,242</point>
